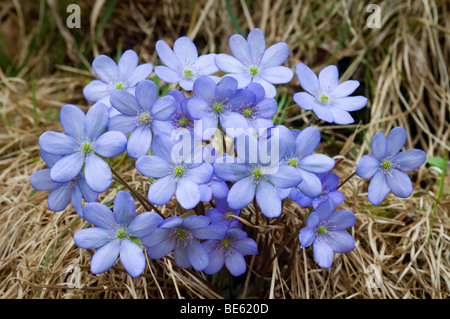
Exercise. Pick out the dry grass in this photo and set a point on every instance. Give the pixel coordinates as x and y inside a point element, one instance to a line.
<point>403,68</point>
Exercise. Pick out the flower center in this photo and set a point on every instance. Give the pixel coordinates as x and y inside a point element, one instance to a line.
<point>144,119</point>
<point>121,234</point>
<point>225,243</point>
<point>178,171</point>
<point>321,230</point>
<point>188,73</point>
<point>86,147</point>
<point>183,122</point>
<point>257,174</point>
<point>229,215</point>
<point>324,99</point>
<point>253,70</point>
<point>386,165</point>
<point>247,112</point>
<point>120,86</point>
<point>218,107</point>
<point>292,162</point>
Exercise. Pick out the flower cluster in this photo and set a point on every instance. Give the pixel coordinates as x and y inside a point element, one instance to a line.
<point>172,141</point>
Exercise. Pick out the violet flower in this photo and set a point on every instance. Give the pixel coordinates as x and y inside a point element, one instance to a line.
<point>118,233</point>
<point>326,231</point>
<point>388,167</point>
<point>252,62</point>
<point>182,64</point>
<point>328,99</point>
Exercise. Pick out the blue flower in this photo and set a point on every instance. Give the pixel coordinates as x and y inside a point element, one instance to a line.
<point>223,213</point>
<point>216,188</point>
<point>117,233</point>
<point>61,194</point>
<point>176,174</point>
<point>257,171</point>
<point>300,146</point>
<point>181,120</point>
<point>182,235</point>
<point>182,64</point>
<point>140,115</point>
<point>328,99</point>
<point>326,231</point>
<point>230,251</point>
<point>85,139</point>
<point>217,104</point>
<point>253,63</point>
<point>124,75</point>
<point>329,183</point>
<point>259,112</point>
<point>388,167</point>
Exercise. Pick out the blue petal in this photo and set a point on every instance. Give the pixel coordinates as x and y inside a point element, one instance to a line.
<point>216,262</point>
<point>41,180</point>
<point>323,253</point>
<point>342,219</point>
<point>162,190</point>
<point>268,199</point>
<point>166,55</point>
<point>197,255</point>
<point>132,258</point>
<point>214,231</point>
<point>187,193</point>
<point>72,120</point>
<point>233,123</point>
<point>270,89</point>
<point>323,113</point>
<point>378,188</point>
<point>395,140</point>
<point>156,237</point>
<point>317,163</point>
<point>197,108</point>
<point>311,185</point>
<point>146,94</point>
<point>256,43</point>
<point>241,193</point>
<point>325,209</point>
<point>228,63</point>
<point>139,142</point>
<point>59,198</point>
<point>76,200</point>
<point>164,107</point>
<point>88,194</point>
<point>91,238</point>
<point>277,74</point>
<point>152,166</point>
<point>204,88</point>
<point>140,73</point>
<point>167,75</point>
<point>350,104</point>
<point>48,158</point>
<point>307,78</point>
<point>95,90</point>
<point>367,166</point>
<point>162,146</point>
<point>340,241</point>
<point>305,100</point>
<point>275,55</point>
<point>56,143</point>
<point>105,68</point>
<point>229,169</point>
<point>329,77</point>
<point>235,263</point>
<point>307,141</point>
<point>111,144</point>
<point>124,208</point>
<point>240,49</point>
<point>378,147</point>
<point>226,88</point>
<point>96,120</point>
<point>410,160</point>
<point>306,237</point>
<point>202,174</point>
<point>285,177</point>
<point>99,215</point>
<point>144,224</point>
<point>98,174</point>
<point>128,62</point>
<point>340,116</point>
<point>162,249</point>
<point>345,89</point>
<point>206,64</point>
<point>67,168</point>
<point>247,246</point>
<point>122,123</point>
<point>124,102</point>
<point>105,257</point>
<point>399,183</point>
<point>185,49</point>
